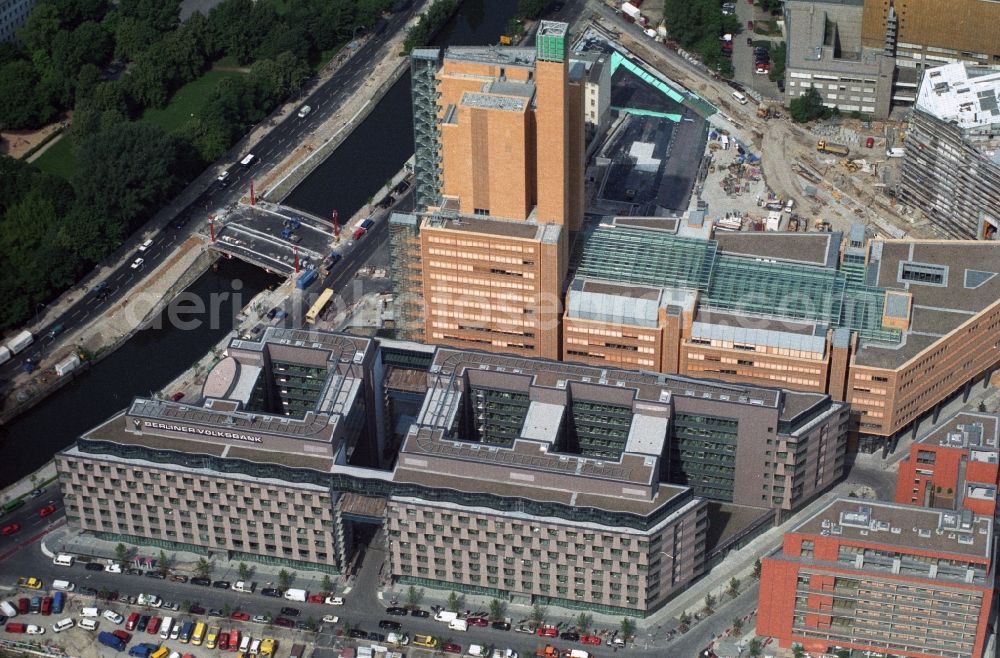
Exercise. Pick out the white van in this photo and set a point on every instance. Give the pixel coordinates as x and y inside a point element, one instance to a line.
<point>88,624</point>
<point>740,98</point>
<point>255,647</point>
<point>458,625</point>
<point>245,643</point>
<point>63,625</point>
<point>8,609</point>
<point>63,560</point>
<point>165,627</point>
<point>90,612</point>
<point>63,586</point>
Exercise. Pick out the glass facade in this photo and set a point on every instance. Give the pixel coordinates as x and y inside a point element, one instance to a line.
<point>703,454</point>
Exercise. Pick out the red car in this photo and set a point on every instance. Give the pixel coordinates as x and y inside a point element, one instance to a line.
<point>47,605</point>
<point>133,619</point>
<point>448,647</point>
<point>240,616</point>
<point>45,511</point>
<point>317,598</point>
<point>548,631</point>
<point>122,635</point>
<point>23,605</point>
<point>591,639</point>
<point>11,529</point>
<point>750,25</point>
<point>478,621</point>
<point>223,642</point>
<point>177,396</point>
<point>153,625</point>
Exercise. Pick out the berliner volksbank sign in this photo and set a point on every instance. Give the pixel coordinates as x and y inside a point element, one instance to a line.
<point>200,431</point>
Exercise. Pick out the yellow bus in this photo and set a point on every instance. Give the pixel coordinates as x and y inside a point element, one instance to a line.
<point>199,633</point>
<point>317,308</point>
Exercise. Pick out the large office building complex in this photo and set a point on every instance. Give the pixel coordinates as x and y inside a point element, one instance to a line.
<point>825,53</point>
<point>499,137</point>
<point>893,327</point>
<point>525,479</point>
<point>916,577</point>
<point>952,167</point>
<point>921,34</point>
<point>890,578</point>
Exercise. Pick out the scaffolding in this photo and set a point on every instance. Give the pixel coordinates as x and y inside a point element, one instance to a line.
<point>424,65</point>
<point>406,275</point>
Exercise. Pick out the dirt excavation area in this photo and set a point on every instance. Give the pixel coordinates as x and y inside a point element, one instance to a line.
<point>16,143</point>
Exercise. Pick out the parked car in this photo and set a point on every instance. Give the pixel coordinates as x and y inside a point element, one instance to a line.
<point>11,528</point>
<point>334,600</point>
<point>222,584</point>
<point>316,598</point>
<point>330,619</point>
<point>449,647</point>
<point>196,609</point>
<point>239,615</point>
<point>482,622</point>
<point>358,634</point>
<point>143,622</point>
<point>750,26</point>
<point>272,592</point>
<point>591,639</point>
<point>570,636</point>
<point>133,619</point>
<point>94,566</point>
<point>547,631</point>
<point>131,571</point>
<point>388,625</point>
<point>284,622</point>
<point>157,575</point>
<point>177,578</point>
<point>261,619</point>
<point>303,625</point>
<point>137,263</point>
<point>122,635</point>
<point>290,612</point>
<point>216,612</point>
<point>417,612</point>
<point>45,511</point>
<point>376,637</point>
<point>398,612</point>
<point>501,625</point>
<point>204,582</point>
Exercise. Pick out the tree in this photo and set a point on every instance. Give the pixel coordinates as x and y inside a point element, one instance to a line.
<point>537,614</point>
<point>709,603</point>
<point>684,622</point>
<point>327,583</point>
<point>285,578</point>
<point>163,564</point>
<point>203,568</point>
<point>432,19</point>
<point>808,106</point>
<point>227,610</point>
<point>496,610</point>
<point>798,651</point>
<point>245,571</point>
<point>737,626</point>
<point>413,596</point>
<point>769,5</point>
<point>733,588</point>
<point>755,648</point>
<point>757,566</point>
<point>583,622</point>
<point>121,552</point>
<point>626,628</point>
<point>778,56</point>
<point>21,103</point>
<point>531,8</point>
<point>454,601</point>
<point>185,606</point>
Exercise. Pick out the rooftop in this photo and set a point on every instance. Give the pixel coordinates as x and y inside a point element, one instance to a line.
<point>961,94</point>
<point>500,55</point>
<point>523,230</point>
<point>493,101</point>
<point>903,526</point>
<point>973,431</point>
<point>817,248</point>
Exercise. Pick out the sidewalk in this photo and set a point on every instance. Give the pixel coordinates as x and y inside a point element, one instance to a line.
<point>77,543</point>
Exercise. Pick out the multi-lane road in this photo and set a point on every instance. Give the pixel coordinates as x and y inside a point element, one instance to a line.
<point>282,138</point>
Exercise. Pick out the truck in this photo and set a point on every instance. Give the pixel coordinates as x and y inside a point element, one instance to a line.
<point>633,12</point>
<point>244,586</point>
<point>20,341</point>
<point>111,640</point>
<point>148,599</point>
<point>294,594</point>
<point>824,146</point>
<point>306,279</point>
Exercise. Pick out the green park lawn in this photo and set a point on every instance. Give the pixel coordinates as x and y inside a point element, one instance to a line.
<point>58,159</point>
<point>186,101</point>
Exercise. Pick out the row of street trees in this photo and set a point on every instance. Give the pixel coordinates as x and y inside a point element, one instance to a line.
<point>110,63</point>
